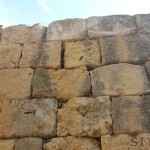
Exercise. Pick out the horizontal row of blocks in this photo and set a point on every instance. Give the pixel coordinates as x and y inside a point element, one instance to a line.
<point>79,117</point>
<point>120,142</point>
<point>134,49</point>
<point>63,84</point>
<point>77,29</point>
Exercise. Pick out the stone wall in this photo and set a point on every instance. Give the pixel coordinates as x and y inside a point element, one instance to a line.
<point>79,84</point>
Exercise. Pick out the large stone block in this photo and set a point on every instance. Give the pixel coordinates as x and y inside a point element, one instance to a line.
<point>34,118</point>
<point>71,29</point>
<point>119,79</point>
<point>132,49</point>
<point>72,143</point>
<point>22,34</point>
<point>15,83</point>
<point>126,142</point>
<point>143,22</point>
<point>47,56</point>
<point>82,53</point>
<point>7,144</point>
<point>130,114</point>
<point>29,144</point>
<point>110,26</point>
<point>62,84</point>
<point>10,56</point>
<point>84,116</point>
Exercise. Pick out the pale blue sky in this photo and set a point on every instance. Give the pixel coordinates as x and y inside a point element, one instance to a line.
<point>13,12</point>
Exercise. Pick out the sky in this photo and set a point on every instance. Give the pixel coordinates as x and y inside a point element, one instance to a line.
<point>29,12</point>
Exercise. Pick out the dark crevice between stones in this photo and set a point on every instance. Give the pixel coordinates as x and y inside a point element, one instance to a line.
<point>90,92</point>
<point>57,118</point>
<point>31,94</point>
<point>21,55</point>
<point>99,44</point>
<point>111,115</point>
<point>100,144</point>
<point>62,56</point>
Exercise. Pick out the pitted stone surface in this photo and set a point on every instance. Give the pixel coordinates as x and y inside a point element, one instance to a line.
<point>15,83</point>
<point>66,30</point>
<point>47,56</point>
<point>130,49</point>
<point>130,114</point>
<point>21,34</point>
<point>7,144</point>
<point>10,55</point>
<point>119,79</point>
<point>84,116</point>
<point>24,118</point>
<point>29,144</point>
<point>72,143</point>
<point>82,53</point>
<point>110,26</point>
<point>62,84</point>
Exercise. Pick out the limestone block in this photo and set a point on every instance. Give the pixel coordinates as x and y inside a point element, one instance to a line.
<point>72,143</point>
<point>7,144</point>
<point>22,118</point>
<point>119,79</point>
<point>46,56</point>
<point>130,114</point>
<point>62,84</point>
<point>143,22</point>
<point>29,144</point>
<point>22,34</point>
<point>131,49</point>
<point>110,26</point>
<point>10,55</point>
<point>66,30</point>
<point>82,53</point>
<point>84,116</point>
<point>126,142</point>
<point>15,83</point>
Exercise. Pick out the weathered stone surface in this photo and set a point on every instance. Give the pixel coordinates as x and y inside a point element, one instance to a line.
<point>132,49</point>
<point>110,26</point>
<point>22,34</point>
<point>72,143</point>
<point>22,118</point>
<point>84,116</point>
<point>82,53</point>
<point>29,144</point>
<point>143,22</point>
<point>126,142</point>
<point>10,56</point>
<point>130,114</point>
<point>147,67</point>
<point>66,30</point>
<point>62,84</point>
<point>15,83</point>
<point>7,144</point>
<point>119,79</point>
<point>46,56</point>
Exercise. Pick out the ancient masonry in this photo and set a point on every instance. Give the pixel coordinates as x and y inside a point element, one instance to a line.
<point>80,84</point>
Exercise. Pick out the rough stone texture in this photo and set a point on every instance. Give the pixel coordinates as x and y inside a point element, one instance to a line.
<point>7,144</point>
<point>84,116</point>
<point>110,26</point>
<point>147,67</point>
<point>132,49</point>
<point>15,83</point>
<point>66,30</point>
<point>119,79</point>
<point>10,56</point>
<point>125,142</point>
<point>29,144</point>
<point>35,118</point>
<point>82,53</point>
<point>130,114</point>
<point>46,56</point>
<point>22,34</point>
<point>143,22</point>
<point>72,143</point>
<point>62,84</point>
